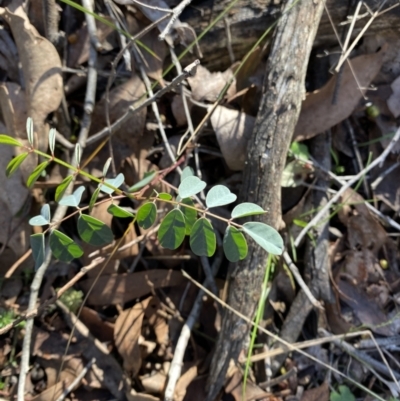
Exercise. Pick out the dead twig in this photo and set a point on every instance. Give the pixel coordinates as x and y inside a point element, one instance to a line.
<point>77,380</point>
<point>190,70</point>
<point>295,271</point>
<point>317,218</point>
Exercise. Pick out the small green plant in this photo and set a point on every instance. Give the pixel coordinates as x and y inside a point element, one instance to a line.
<point>185,219</point>
<point>7,317</point>
<point>72,299</point>
<point>344,394</point>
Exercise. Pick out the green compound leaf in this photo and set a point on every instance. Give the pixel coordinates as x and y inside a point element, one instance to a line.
<point>115,182</point>
<point>118,211</point>
<point>202,238</point>
<point>246,209</point>
<point>191,186</point>
<point>235,244</point>
<point>94,231</point>
<point>36,174</point>
<point>15,163</point>
<point>146,215</point>
<point>37,245</point>
<point>190,215</point>
<point>93,199</point>
<point>219,195</point>
<point>172,230</point>
<point>60,190</point>
<point>43,218</point>
<point>187,172</point>
<point>73,200</point>
<point>9,140</point>
<point>147,179</point>
<point>63,247</point>
<point>164,196</point>
<point>265,236</point>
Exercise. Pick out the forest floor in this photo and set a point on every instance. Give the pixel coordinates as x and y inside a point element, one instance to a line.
<point>121,320</point>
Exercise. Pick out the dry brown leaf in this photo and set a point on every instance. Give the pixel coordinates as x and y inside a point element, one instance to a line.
<point>178,109</point>
<point>51,393</point>
<point>78,49</point>
<point>142,397</point>
<point>233,130</point>
<point>364,231</point>
<point>41,66</point>
<point>153,65</point>
<point>9,56</point>
<point>318,114</point>
<point>101,329</point>
<point>157,322</point>
<point>366,309</point>
<point>235,388</point>
<point>127,331</point>
<point>13,197</point>
<point>206,85</point>
<point>196,391</point>
<point>394,100</point>
<point>121,98</point>
<point>155,383</point>
<point>320,393</point>
<point>14,109</point>
<point>184,382</point>
<point>120,288</point>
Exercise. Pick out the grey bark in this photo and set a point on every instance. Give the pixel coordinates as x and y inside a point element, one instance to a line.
<point>283,91</point>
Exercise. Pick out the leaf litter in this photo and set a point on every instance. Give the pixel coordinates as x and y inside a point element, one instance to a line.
<point>140,299</point>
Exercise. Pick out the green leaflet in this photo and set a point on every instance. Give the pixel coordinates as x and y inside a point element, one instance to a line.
<point>187,172</point>
<point>62,187</point>
<point>219,195</point>
<point>15,163</point>
<point>246,209</point>
<point>202,238</point>
<point>36,174</point>
<point>172,230</point>
<point>9,140</point>
<point>43,218</point>
<point>63,247</point>
<point>147,179</point>
<point>265,236</point>
<point>344,394</point>
<point>94,231</point>
<point>235,244</point>
<point>52,140</point>
<point>74,199</point>
<point>114,182</point>
<point>37,245</point>
<point>190,215</point>
<point>164,196</point>
<point>93,199</point>
<point>190,186</point>
<point>118,211</point>
<point>146,215</point>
